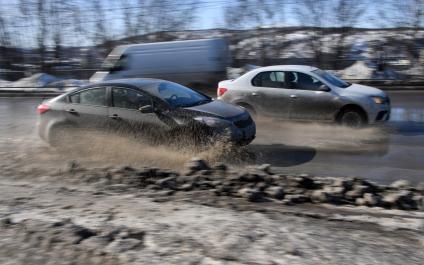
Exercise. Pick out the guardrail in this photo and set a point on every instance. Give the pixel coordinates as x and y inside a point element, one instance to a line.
<point>50,92</point>
<point>391,84</point>
<point>21,92</point>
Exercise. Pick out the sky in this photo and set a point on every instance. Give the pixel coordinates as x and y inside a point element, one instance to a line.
<point>210,14</point>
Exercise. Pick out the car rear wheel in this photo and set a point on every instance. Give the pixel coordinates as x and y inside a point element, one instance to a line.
<point>58,136</point>
<point>352,118</point>
<point>249,109</point>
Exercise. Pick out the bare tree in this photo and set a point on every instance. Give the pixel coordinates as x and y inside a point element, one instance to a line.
<point>346,14</point>
<point>42,30</point>
<point>100,33</point>
<point>242,14</point>
<point>314,14</point>
<point>4,42</point>
<point>251,13</point>
<point>166,15</point>
<point>409,14</point>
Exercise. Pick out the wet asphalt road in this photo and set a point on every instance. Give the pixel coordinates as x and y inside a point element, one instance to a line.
<point>383,154</point>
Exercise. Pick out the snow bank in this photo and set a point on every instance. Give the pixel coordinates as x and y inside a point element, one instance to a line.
<point>35,81</point>
<point>359,70</point>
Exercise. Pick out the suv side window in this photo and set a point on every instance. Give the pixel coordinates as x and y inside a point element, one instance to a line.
<point>92,96</point>
<point>129,99</point>
<point>302,81</point>
<point>269,79</point>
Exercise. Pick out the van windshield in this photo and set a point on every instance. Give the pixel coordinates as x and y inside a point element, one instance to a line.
<point>179,96</point>
<point>115,63</point>
<point>332,79</point>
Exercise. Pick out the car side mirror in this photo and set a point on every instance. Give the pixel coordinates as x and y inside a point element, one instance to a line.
<point>324,88</point>
<point>146,109</point>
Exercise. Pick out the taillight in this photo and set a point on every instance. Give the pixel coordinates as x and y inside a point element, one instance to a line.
<point>42,108</point>
<point>221,91</point>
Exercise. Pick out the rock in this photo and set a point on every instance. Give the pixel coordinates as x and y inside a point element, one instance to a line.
<point>419,201</point>
<point>297,198</point>
<point>360,202</point>
<point>186,187</point>
<point>420,186</point>
<point>357,191</point>
<point>252,195</point>
<point>223,190</point>
<point>167,183</point>
<point>275,192</point>
<point>196,164</point>
<point>220,167</point>
<point>402,200</point>
<point>4,222</point>
<point>96,242</point>
<point>306,182</point>
<point>205,172</point>
<point>265,168</point>
<point>371,200</point>
<point>127,169</point>
<point>334,191</point>
<point>187,179</point>
<point>118,187</point>
<point>261,186</point>
<point>320,196</point>
<point>347,184</point>
<point>147,172</point>
<point>124,244</point>
<point>251,177</point>
<point>400,184</point>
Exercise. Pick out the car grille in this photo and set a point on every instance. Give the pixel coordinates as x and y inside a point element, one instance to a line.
<point>243,122</point>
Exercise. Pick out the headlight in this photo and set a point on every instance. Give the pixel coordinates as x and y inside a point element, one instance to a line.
<point>212,122</point>
<point>378,100</point>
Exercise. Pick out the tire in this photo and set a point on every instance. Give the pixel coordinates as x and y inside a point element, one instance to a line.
<point>249,109</point>
<point>58,135</point>
<point>352,118</point>
<point>196,136</point>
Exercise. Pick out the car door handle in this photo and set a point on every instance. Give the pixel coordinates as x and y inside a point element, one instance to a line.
<point>255,94</point>
<point>72,111</point>
<point>293,97</point>
<point>115,117</point>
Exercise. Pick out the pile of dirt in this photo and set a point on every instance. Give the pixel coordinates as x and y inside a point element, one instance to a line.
<point>254,183</point>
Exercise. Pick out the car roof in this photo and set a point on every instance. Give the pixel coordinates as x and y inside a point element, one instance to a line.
<point>138,82</point>
<point>145,84</point>
<point>302,68</point>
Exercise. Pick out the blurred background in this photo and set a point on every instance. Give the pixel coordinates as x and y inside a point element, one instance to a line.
<point>68,40</point>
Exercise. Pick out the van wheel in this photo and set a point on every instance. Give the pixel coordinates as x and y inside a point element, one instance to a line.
<point>352,118</point>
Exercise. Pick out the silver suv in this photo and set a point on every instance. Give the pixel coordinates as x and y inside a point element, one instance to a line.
<point>300,92</point>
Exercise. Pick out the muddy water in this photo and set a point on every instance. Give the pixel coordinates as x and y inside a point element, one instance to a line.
<point>379,153</point>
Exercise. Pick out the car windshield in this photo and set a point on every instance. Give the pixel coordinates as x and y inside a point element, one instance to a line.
<point>179,96</point>
<point>332,79</point>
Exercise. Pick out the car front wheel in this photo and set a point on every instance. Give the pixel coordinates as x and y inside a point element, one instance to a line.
<point>352,118</point>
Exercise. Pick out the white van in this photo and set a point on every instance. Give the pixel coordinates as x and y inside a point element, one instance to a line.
<point>194,63</point>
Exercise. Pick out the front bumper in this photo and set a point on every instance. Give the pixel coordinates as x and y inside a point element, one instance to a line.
<point>243,136</point>
<point>381,113</point>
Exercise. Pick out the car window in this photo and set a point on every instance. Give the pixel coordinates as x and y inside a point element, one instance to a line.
<point>93,96</point>
<point>129,98</point>
<point>269,79</point>
<point>179,96</point>
<point>302,81</point>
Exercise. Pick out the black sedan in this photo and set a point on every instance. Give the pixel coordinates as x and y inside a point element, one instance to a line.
<point>146,107</point>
